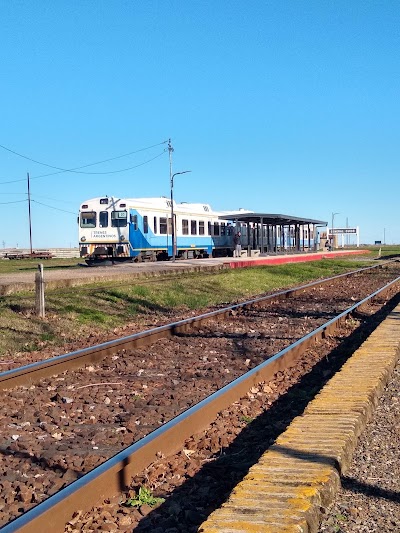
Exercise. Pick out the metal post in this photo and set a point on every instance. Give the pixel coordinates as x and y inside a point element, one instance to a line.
<point>39,292</point>
<point>333,236</point>
<point>171,179</point>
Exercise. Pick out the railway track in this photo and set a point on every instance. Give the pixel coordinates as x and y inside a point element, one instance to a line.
<point>158,388</point>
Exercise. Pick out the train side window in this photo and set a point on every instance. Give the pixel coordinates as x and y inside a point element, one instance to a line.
<point>193,227</point>
<point>103,219</point>
<point>216,228</point>
<point>119,219</point>
<point>163,225</point>
<point>145,224</point>
<point>185,227</point>
<point>209,228</point>
<point>88,219</point>
<point>201,227</point>
<point>134,221</point>
<point>222,228</point>
<point>155,225</point>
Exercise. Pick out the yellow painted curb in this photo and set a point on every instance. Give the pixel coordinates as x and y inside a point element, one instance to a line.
<point>300,473</point>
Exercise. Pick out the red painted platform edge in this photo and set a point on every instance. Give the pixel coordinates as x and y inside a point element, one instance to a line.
<point>282,259</point>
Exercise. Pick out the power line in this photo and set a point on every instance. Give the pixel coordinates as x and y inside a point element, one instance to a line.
<point>55,208</point>
<point>77,169</point>
<point>16,202</point>
<point>52,199</point>
<point>40,203</point>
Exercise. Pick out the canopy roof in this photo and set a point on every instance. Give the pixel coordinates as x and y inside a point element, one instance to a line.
<point>269,218</point>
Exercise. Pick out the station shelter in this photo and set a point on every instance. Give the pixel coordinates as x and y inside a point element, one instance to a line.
<point>266,233</point>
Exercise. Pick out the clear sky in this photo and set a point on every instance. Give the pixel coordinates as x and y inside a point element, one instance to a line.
<point>280,106</point>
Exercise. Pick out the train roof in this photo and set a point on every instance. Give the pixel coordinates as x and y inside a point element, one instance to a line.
<point>161,202</point>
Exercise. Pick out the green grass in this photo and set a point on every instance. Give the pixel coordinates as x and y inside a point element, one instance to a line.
<point>78,312</point>
<point>28,265</point>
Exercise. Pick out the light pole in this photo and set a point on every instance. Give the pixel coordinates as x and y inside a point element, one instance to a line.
<point>172,211</point>
<point>333,237</point>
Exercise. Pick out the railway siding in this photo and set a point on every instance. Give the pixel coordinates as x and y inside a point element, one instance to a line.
<point>300,473</point>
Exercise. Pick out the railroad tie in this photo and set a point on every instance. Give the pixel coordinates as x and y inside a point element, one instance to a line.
<point>300,473</point>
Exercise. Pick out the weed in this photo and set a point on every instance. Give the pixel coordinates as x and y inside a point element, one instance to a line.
<point>144,497</point>
<point>246,419</point>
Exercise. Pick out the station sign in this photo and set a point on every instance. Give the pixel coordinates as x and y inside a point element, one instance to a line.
<point>340,231</point>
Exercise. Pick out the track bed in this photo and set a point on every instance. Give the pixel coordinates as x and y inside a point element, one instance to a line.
<point>61,427</point>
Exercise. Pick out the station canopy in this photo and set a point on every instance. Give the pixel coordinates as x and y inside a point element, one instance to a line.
<point>272,219</point>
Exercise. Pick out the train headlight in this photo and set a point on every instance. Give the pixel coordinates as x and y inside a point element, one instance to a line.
<point>83,239</point>
<point>122,237</point>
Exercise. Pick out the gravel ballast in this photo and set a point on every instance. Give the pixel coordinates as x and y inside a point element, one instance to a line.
<point>369,501</point>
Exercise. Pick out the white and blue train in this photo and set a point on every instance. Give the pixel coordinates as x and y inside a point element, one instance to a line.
<point>139,229</point>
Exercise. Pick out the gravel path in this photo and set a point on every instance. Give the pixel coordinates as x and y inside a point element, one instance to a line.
<point>369,501</point>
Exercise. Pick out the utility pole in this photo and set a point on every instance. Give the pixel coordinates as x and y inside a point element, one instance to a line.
<point>171,181</point>
<point>29,210</point>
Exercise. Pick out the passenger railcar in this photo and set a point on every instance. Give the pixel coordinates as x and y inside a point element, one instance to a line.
<point>138,229</point>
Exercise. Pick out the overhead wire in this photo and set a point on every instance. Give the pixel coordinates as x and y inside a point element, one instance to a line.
<point>55,208</point>
<point>15,202</point>
<point>76,170</point>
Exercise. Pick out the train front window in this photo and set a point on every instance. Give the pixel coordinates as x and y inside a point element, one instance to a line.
<point>119,219</point>
<point>88,219</point>
<point>103,219</point>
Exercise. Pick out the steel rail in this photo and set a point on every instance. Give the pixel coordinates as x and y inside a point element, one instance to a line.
<point>113,476</point>
<point>28,374</point>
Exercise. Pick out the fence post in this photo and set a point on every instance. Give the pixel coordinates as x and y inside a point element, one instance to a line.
<point>39,288</point>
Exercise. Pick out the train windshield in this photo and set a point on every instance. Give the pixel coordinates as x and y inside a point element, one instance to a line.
<point>88,219</point>
<point>119,219</point>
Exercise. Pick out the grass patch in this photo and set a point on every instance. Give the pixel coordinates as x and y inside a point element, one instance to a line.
<point>73,313</point>
<point>8,266</point>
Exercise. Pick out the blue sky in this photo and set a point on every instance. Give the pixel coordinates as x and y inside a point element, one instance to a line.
<point>276,106</point>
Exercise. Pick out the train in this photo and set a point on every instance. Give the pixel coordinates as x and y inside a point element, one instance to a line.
<point>140,229</point>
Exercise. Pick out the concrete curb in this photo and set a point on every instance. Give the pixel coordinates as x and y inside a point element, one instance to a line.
<point>300,474</point>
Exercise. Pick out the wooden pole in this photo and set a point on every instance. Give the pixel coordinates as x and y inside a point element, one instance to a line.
<point>29,210</point>
<point>39,288</point>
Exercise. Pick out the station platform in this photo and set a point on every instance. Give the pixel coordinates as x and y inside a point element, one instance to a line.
<point>300,474</point>
<point>290,258</point>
